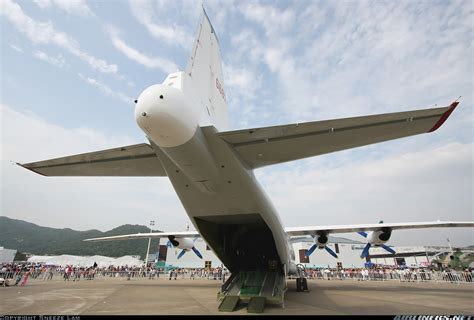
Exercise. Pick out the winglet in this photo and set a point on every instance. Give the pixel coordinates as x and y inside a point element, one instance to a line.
<point>445,116</point>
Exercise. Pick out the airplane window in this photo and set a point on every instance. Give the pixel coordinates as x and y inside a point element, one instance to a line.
<point>161,96</point>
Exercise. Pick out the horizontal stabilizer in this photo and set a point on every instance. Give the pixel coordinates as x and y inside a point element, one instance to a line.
<point>259,147</point>
<point>301,231</point>
<point>134,160</point>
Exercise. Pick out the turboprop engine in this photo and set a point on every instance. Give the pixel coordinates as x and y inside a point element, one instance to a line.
<point>186,244</point>
<point>376,238</point>
<point>320,241</point>
<point>379,237</point>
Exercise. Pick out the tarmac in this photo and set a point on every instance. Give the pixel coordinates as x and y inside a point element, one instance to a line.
<point>117,296</point>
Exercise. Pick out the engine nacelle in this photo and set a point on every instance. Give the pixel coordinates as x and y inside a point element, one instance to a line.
<point>379,237</point>
<point>321,240</point>
<point>182,243</point>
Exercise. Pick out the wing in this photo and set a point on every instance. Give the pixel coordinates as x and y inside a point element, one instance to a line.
<point>134,160</point>
<point>146,236</point>
<point>300,231</point>
<point>259,147</point>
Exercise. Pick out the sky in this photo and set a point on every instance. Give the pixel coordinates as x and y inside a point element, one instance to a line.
<point>70,71</point>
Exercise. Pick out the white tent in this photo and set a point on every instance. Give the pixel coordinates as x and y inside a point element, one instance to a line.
<point>88,261</point>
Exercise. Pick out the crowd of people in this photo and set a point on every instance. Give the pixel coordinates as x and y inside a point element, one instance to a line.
<point>21,272</point>
<point>404,274</point>
<point>17,274</point>
<point>151,272</point>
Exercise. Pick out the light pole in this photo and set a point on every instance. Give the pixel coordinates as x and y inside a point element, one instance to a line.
<point>152,223</point>
<point>449,243</point>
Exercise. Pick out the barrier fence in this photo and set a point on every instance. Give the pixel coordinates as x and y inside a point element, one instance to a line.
<point>406,275</point>
<point>457,277</point>
<point>15,277</point>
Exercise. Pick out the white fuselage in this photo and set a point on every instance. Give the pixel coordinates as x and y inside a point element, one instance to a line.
<point>214,186</point>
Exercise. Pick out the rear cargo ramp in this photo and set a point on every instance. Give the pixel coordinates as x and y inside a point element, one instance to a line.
<point>256,288</point>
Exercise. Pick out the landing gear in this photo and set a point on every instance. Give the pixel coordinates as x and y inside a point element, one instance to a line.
<point>301,282</point>
<point>301,285</point>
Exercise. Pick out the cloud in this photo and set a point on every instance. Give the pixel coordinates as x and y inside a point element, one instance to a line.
<point>274,20</point>
<point>309,61</point>
<point>43,4</point>
<point>78,7</point>
<point>360,57</point>
<point>170,32</point>
<point>57,62</point>
<point>16,48</point>
<point>140,58</point>
<point>45,33</point>
<point>424,184</point>
<point>106,89</point>
<point>75,202</point>
<point>242,81</point>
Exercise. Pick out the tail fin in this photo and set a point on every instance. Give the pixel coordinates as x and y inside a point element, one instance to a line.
<point>205,69</point>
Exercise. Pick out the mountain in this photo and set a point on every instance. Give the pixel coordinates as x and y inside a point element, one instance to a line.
<point>28,237</point>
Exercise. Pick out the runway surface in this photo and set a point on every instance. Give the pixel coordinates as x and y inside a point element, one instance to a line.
<point>193,297</point>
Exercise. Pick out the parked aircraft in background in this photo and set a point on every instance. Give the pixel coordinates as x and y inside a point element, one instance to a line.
<point>186,123</point>
<point>455,259</point>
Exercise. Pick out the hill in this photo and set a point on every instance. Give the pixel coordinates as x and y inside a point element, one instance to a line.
<point>28,237</point>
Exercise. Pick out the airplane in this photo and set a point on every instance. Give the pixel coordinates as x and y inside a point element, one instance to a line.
<point>456,260</point>
<point>185,120</point>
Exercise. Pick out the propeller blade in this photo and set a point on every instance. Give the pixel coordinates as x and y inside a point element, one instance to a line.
<point>362,233</point>
<point>388,249</point>
<point>181,253</point>
<point>365,252</point>
<point>173,241</point>
<point>332,253</point>
<point>197,252</point>
<point>310,251</point>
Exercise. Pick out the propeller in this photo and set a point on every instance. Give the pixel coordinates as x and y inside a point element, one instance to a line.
<point>173,243</point>
<point>387,248</point>
<point>365,251</point>
<point>181,253</point>
<point>197,252</point>
<point>314,246</point>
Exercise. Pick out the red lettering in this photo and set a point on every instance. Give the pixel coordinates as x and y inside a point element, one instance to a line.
<point>220,89</point>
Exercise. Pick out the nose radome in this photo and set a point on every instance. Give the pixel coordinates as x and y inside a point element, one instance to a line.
<point>165,115</point>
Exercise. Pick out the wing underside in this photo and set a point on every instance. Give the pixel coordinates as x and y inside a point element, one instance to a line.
<point>302,231</point>
<point>259,147</point>
<point>134,160</point>
<point>146,236</point>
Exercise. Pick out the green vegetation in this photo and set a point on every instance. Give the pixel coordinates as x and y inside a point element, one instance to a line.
<point>28,237</point>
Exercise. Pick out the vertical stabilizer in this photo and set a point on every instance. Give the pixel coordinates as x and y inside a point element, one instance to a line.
<point>205,69</point>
